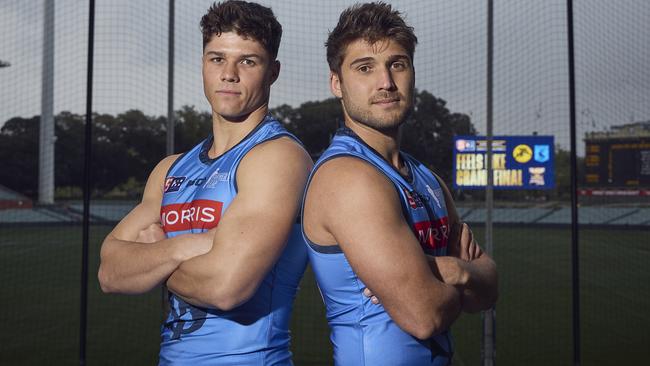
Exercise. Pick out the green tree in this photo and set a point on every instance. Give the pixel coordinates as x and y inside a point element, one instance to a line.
<point>69,149</point>
<point>314,123</point>
<point>126,147</point>
<point>191,126</point>
<point>427,134</point>
<point>19,155</point>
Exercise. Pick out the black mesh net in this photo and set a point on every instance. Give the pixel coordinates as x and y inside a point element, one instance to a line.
<point>43,71</point>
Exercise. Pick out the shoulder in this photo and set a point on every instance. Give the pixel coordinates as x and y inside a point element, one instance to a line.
<point>164,165</point>
<point>156,182</point>
<point>348,181</point>
<point>277,153</point>
<point>349,168</point>
<point>279,164</point>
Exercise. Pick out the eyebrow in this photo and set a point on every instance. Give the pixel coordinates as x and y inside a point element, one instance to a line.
<point>362,60</point>
<point>221,54</point>
<point>399,57</point>
<point>372,59</point>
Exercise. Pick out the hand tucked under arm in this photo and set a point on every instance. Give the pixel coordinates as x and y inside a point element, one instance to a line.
<point>151,234</point>
<point>477,279</point>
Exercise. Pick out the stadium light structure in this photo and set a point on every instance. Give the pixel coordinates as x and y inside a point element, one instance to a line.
<point>46,130</point>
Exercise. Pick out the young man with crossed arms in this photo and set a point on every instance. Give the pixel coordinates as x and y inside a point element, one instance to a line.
<point>218,223</point>
<point>377,220</point>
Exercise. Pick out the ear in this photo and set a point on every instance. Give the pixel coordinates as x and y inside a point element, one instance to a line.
<point>335,84</point>
<point>275,71</point>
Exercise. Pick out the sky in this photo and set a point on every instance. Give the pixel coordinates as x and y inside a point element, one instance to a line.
<point>530,58</point>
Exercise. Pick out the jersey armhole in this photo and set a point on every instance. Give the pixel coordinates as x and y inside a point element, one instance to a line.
<point>333,249</point>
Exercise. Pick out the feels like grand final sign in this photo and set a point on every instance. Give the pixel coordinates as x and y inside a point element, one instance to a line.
<point>518,162</point>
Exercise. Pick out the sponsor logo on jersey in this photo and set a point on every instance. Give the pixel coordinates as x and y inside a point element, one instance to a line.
<point>198,214</point>
<point>196,182</point>
<point>413,198</point>
<point>173,184</point>
<point>432,234</point>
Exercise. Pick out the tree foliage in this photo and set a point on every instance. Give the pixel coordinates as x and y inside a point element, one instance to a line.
<point>125,147</point>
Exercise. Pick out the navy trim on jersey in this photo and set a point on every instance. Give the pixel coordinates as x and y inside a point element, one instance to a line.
<point>335,249</point>
<point>178,158</point>
<point>207,144</point>
<point>348,132</point>
<point>325,249</point>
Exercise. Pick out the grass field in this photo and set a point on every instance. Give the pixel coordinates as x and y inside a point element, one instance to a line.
<point>40,303</point>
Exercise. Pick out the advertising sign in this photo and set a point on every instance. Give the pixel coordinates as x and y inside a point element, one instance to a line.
<point>518,162</point>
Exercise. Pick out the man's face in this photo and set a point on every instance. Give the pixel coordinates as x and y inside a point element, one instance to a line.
<point>376,83</point>
<point>237,75</point>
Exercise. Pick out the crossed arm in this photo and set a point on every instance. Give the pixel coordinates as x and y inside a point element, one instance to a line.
<point>253,231</point>
<point>132,264</point>
<point>224,266</point>
<point>467,267</point>
<point>350,203</point>
<point>423,295</point>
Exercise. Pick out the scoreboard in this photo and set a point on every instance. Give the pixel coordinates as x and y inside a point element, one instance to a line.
<point>518,162</point>
<point>617,162</point>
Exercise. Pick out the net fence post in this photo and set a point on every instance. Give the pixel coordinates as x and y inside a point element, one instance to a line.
<point>87,186</point>
<point>488,338</point>
<point>575,269</point>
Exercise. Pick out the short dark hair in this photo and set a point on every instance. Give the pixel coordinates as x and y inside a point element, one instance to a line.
<point>372,22</point>
<point>247,19</point>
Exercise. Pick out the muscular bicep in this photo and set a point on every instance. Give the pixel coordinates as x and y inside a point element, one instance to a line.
<point>254,229</point>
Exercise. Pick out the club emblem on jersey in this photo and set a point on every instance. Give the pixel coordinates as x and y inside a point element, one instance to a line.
<point>173,184</point>
<point>180,326</point>
<point>436,194</point>
<point>215,178</point>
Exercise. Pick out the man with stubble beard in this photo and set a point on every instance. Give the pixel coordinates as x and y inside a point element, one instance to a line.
<point>380,226</point>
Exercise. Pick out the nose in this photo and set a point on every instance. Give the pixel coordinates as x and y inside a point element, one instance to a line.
<point>229,73</point>
<point>386,81</point>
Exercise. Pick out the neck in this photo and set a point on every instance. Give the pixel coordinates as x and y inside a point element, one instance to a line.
<point>385,142</point>
<point>228,131</point>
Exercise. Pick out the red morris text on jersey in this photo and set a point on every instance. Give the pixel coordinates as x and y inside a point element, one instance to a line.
<point>432,235</point>
<point>198,214</point>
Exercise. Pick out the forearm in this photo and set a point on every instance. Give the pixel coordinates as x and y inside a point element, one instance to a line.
<point>481,290</point>
<point>448,308</point>
<point>476,280</point>
<point>201,282</point>
<point>132,268</point>
<point>191,282</point>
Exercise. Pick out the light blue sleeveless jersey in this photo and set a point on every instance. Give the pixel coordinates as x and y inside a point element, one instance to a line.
<point>363,333</point>
<point>198,190</point>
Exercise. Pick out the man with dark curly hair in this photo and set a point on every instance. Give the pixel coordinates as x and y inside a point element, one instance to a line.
<point>218,224</point>
<point>393,263</point>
